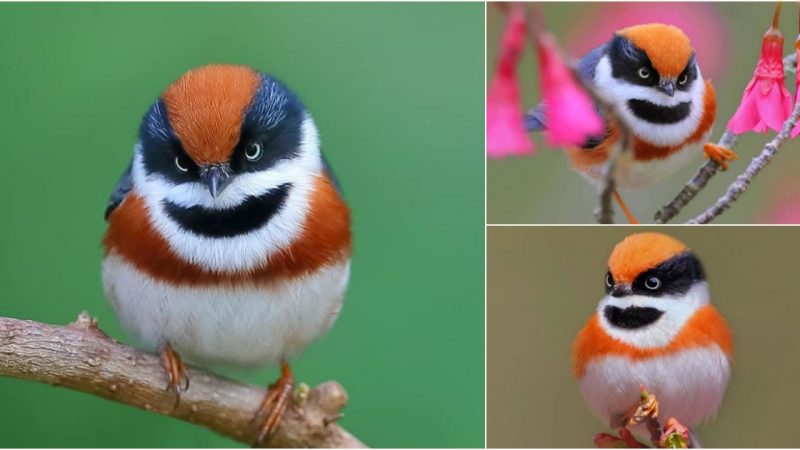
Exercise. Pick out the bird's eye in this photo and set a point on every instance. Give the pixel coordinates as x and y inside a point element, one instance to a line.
<point>181,164</point>
<point>609,281</point>
<point>253,151</point>
<point>644,72</point>
<point>652,283</point>
<point>683,79</point>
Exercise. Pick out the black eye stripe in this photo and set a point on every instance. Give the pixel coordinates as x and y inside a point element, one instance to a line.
<point>627,59</point>
<point>677,276</point>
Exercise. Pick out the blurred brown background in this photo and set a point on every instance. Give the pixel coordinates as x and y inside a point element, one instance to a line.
<point>727,36</point>
<point>544,283</point>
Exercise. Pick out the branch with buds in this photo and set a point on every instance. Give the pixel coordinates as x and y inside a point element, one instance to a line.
<point>645,411</point>
<point>81,357</point>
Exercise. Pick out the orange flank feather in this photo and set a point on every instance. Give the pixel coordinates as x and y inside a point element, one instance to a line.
<point>206,107</point>
<point>667,47</point>
<point>640,252</point>
<point>325,239</point>
<point>644,151</point>
<point>706,327</point>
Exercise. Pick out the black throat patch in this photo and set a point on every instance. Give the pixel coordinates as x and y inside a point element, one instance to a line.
<point>632,317</point>
<point>650,112</point>
<point>253,213</point>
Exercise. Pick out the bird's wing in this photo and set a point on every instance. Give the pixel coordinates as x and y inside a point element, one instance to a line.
<point>536,118</point>
<point>124,185</point>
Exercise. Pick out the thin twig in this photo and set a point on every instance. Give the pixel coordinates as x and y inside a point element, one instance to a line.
<point>710,168</point>
<point>742,182</point>
<point>81,357</point>
<point>696,184</point>
<point>605,212</point>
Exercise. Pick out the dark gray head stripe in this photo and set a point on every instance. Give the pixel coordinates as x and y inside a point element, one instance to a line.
<point>676,276</point>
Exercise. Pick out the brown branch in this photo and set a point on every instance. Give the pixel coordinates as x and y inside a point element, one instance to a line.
<point>696,184</point>
<point>742,182</point>
<point>80,356</point>
<point>710,168</point>
<point>604,212</point>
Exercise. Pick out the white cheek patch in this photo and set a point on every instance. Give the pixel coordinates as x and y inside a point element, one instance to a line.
<point>620,91</point>
<point>677,311</point>
<point>246,251</point>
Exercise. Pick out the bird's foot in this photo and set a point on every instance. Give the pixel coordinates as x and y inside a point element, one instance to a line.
<point>719,154</point>
<point>277,398</point>
<point>176,371</point>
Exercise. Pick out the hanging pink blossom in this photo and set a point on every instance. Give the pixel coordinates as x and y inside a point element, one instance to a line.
<point>505,130</point>
<point>766,102</point>
<point>571,116</point>
<point>796,129</point>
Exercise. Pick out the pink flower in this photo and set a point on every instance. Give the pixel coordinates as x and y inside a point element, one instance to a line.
<point>571,117</point>
<point>796,129</point>
<point>766,102</point>
<point>505,131</point>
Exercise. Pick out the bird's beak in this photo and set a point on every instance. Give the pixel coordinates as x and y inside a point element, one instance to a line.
<point>216,177</point>
<point>621,290</point>
<point>667,85</point>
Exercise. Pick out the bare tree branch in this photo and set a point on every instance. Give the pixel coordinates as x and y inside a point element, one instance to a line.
<point>710,168</point>
<point>742,182</point>
<point>696,184</point>
<point>81,357</point>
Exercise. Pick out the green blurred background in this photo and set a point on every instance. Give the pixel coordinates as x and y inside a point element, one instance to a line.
<point>543,188</point>
<point>545,282</point>
<point>397,92</point>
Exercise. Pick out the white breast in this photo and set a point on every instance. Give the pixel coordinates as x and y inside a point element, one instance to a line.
<point>689,384</point>
<point>633,174</point>
<point>238,326</point>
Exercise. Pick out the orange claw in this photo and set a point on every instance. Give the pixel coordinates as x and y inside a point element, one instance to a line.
<point>275,402</point>
<point>719,154</point>
<point>176,371</point>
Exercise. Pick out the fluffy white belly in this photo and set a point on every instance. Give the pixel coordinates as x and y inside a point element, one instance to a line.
<point>633,174</point>
<point>237,326</point>
<point>689,385</point>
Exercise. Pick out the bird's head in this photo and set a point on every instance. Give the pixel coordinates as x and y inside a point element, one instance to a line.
<point>653,284</point>
<point>227,152</point>
<point>651,71</point>
<point>654,55</point>
<point>220,128</point>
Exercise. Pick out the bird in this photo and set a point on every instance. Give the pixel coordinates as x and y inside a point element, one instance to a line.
<point>655,327</point>
<point>649,77</point>
<point>228,241</point>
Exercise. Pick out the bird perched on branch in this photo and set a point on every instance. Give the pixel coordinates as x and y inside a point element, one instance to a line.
<point>228,241</point>
<point>655,327</point>
<point>649,74</point>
